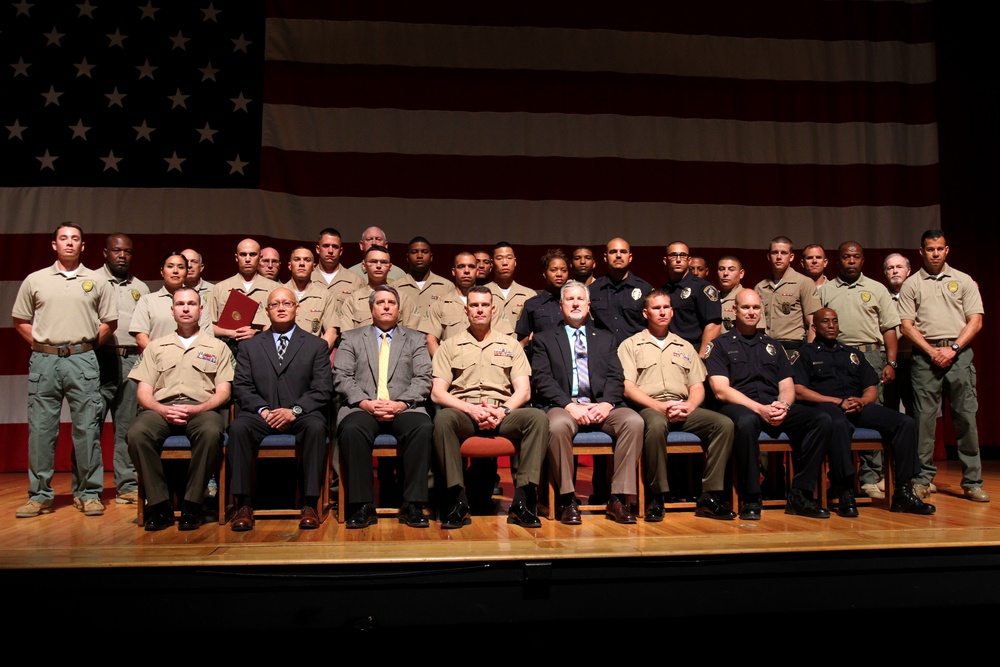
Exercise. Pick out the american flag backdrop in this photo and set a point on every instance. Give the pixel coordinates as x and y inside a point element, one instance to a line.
<point>723,123</point>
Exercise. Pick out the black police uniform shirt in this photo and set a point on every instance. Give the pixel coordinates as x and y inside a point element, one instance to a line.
<point>840,371</point>
<point>696,304</point>
<point>754,364</point>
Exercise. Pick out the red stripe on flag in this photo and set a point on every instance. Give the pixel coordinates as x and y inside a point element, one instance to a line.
<point>596,179</point>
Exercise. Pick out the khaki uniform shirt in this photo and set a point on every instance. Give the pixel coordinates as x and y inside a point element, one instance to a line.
<point>904,346</point>
<point>356,313</point>
<point>787,304</point>
<point>65,311</point>
<point>342,285</point>
<point>421,299</point>
<point>317,308</point>
<point>154,316</point>
<point>486,370</point>
<point>259,289</point>
<point>509,309</point>
<point>662,374</point>
<point>728,302</point>
<point>204,289</point>
<point>184,375</point>
<point>128,292</point>
<point>447,317</point>
<point>939,305</point>
<point>864,308</point>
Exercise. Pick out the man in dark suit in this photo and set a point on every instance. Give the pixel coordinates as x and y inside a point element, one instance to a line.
<point>282,385</point>
<point>383,377</point>
<point>578,381</point>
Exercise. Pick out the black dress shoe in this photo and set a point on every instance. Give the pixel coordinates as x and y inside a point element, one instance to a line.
<point>799,505</point>
<point>905,500</point>
<point>190,519</point>
<point>308,518</point>
<point>711,508</point>
<point>570,514</point>
<point>364,516</point>
<point>750,511</point>
<point>618,512</point>
<point>411,515</point>
<point>243,521</point>
<point>457,517</point>
<point>520,515</point>
<point>159,516</point>
<point>848,506</point>
<point>654,510</point>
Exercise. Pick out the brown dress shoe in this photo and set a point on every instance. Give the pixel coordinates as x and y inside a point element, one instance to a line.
<point>309,519</point>
<point>616,510</point>
<point>570,514</point>
<point>243,520</point>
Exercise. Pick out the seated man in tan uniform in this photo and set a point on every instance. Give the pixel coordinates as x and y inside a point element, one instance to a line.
<point>482,381</point>
<point>183,382</point>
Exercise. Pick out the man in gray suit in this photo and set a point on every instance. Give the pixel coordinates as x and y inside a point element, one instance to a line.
<point>383,375</point>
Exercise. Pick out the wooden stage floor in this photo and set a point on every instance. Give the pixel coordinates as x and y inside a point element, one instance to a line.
<point>917,562</point>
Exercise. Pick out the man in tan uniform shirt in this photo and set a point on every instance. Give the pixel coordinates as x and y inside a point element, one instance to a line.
<point>317,305</point>
<point>868,319</point>
<point>421,286</point>
<point>355,311</point>
<point>941,311</point>
<point>250,283</point>
<point>788,298</point>
<point>482,383</point>
<point>329,272</point>
<point>508,295</point>
<point>183,381</point>
<point>730,270</point>
<point>118,357</point>
<point>447,315</point>
<point>64,312</point>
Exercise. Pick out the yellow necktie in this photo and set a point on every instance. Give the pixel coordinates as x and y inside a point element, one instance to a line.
<point>383,369</point>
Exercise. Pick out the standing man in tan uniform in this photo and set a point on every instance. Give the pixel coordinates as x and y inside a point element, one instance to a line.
<point>421,286</point>
<point>942,312</point>
<point>484,267</point>
<point>730,272</point>
<point>356,313</point>
<point>317,309</point>
<point>195,267</point>
<point>788,298</point>
<point>814,264</point>
<point>482,383</point>
<point>117,359</point>
<point>250,283</point>
<point>183,382</point>
<point>867,321</point>
<point>665,381</point>
<point>64,312</point>
<point>508,295</point>
<point>330,273</point>
<point>269,265</point>
<point>447,315</point>
<point>375,236</point>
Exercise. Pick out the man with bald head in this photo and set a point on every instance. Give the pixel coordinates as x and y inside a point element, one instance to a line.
<point>269,265</point>
<point>117,359</point>
<point>283,384</point>
<point>250,283</point>
<point>867,321</point>
<point>617,298</point>
<point>375,236</point>
<point>750,374</point>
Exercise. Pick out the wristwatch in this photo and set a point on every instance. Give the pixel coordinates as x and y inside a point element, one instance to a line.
<point>297,410</point>
<point>505,409</point>
<point>955,348</point>
<point>893,364</point>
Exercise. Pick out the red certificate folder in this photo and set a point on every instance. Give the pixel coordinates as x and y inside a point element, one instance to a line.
<point>238,312</point>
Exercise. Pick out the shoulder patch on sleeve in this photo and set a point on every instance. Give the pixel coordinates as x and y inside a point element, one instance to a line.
<point>793,357</point>
<point>711,293</point>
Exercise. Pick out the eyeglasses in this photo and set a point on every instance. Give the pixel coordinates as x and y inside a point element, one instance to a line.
<point>677,255</point>
<point>282,304</point>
